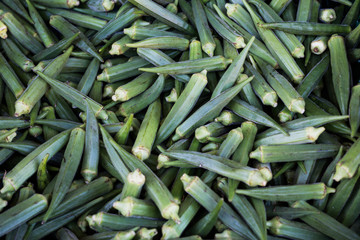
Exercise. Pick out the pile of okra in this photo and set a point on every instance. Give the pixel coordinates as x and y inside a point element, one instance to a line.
<point>179,119</point>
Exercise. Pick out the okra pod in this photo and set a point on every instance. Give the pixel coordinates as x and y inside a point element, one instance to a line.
<point>10,78</point>
<point>210,131</point>
<point>166,42</point>
<point>15,55</point>
<point>141,33</point>
<point>354,113</point>
<point>59,3</point>
<point>242,17</point>
<point>134,183</point>
<point>131,206</point>
<point>101,5</point>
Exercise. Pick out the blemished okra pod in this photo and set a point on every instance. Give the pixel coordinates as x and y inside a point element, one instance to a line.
<point>325,223</point>
<point>28,165</point>
<point>76,97</point>
<point>191,66</point>
<point>38,87</point>
<point>166,42</point>
<point>147,132</point>
<point>131,206</point>
<point>312,29</point>
<point>208,199</point>
<point>67,30</point>
<point>68,168</point>
<point>163,15</point>
<point>156,189</point>
<point>220,165</point>
<point>89,169</point>
<point>22,212</point>
<point>10,78</point>
<point>337,202</point>
<point>223,29</point>
<point>294,230</point>
<point>207,111</point>
<point>232,73</point>
<point>3,30</point>
<point>143,100</point>
<point>305,135</point>
<point>289,193</point>
<point>15,55</point>
<point>253,114</point>
<point>276,48</point>
<point>117,23</point>
<point>207,41</point>
<point>123,70</point>
<point>354,112</point>
<point>17,29</point>
<point>298,152</point>
<point>289,40</point>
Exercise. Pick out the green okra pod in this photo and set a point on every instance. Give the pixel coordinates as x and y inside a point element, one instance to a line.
<point>59,3</point>
<point>43,174</point>
<point>207,41</point>
<point>291,229</point>
<point>101,5</point>
<point>166,42</point>
<point>75,96</point>
<point>210,131</point>
<point>223,29</point>
<point>147,132</point>
<point>324,223</point>
<point>289,193</point>
<point>207,111</point>
<point>131,206</point>
<point>347,166</point>
<point>22,212</point>
<point>208,198</point>
<point>351,210</point>
<point>89,77</point>
<point>163,15</point>
<point>10,78</point>
<point>220,165</point>
<point>242,17</point>
<point>68,30</point>
<point>340,71</point>
<point>16,56</point>
<point>142,33</point>
<point>134,183</point>
<point>143,100</point>
<point>354,113</point>
<point>119,47</point>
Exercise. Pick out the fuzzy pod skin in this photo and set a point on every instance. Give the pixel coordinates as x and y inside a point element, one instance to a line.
<point>324,223</point>
<point>208,111</point>
<point>220,165</point>
<point>147,132</point>
<point>289,193</point>
<point>298,152</point>
<point>208,198</point>
<point>348,165</point>
<point>22,212</point>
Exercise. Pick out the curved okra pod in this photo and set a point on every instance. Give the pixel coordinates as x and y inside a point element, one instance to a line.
<point>147,132</point>
<point>289,193</point>
<point>354,110</point>
<point>166,42</point>
<point>68,169</point>
<point>207,111</point>
<point>77,98</point>
<point>21,213</point>
<point>207,41</point>
<point>220,165</point>
<point>312,29</point>
<point>143,100</point>
<point>28,165</point>
<point>163,15</point>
